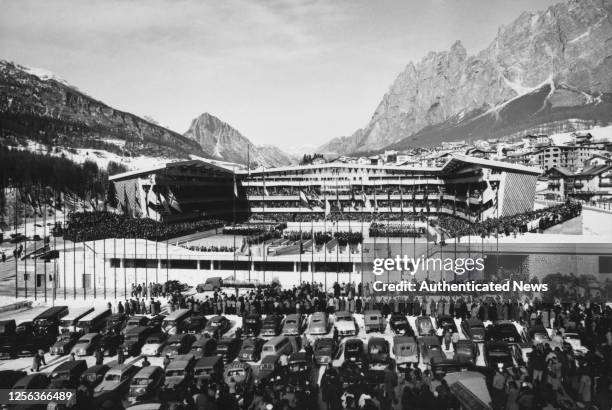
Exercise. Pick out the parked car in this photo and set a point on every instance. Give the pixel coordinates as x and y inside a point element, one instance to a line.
<point>466,350</point>
<point>135,338</point>
<point>8,378</point>
<point>294,325</point>
<point>473,329</point>
<point>110,343</point>
<point>64,343</point>
<point>272,325</point>
<point>538,334</point>
<point>156,323</point>
<point>195,323</point>
<point>373,321</point>
<point>406,352</point>
<point>430,347</point>
<point>299,373</point>
<point>116,322</point>
<point>217,326</point>
<point>251,350</point>
<point>425,326</point>
<point>177,380</point>
<point>87,344</point>
<point>324,350</point>
<point>67,375</point>
<point>319,324</point>
<point>154,344</point>
<point>269,368</point>
<point>178,344</point>
<point>8,339</point>
<point>446,323</point>
<point>208,369</point>
<point>241,374</point>
<point>94,375</point>
<point>503,331</point>
<point>378,352</point>
<point>441,366</point>
<point>134,322</point>
<point>345,324</point>
<point>204,346</point>
<point>228,348</point>
<point>145,383</point>
<point>252,325</point>
<point>399,324</point>
<point>498,354</point>
<point>115,383</point>
<point>353,350</point>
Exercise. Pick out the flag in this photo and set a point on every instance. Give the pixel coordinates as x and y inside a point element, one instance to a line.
<point>389,199</point>
<point>426,199</point>
<point>366,202</point>
<point>304,201</point>
<point>327,208</point>
<point>235,188</point>
<point>265,190</point>
<point>401,203</point>
<point>125,206</point>
<point>488,194</point>
<point>171,198</point>
<point>353,201</point>
<point>375,201</point>
<point>414,199</point>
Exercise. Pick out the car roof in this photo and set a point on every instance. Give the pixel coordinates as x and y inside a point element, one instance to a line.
<point>178,365</point>
<point>203,341</point>
<point>354,342</point>
<point>372,312</point>
<point>271,358</point>
<point>178,337</point>
<point>120,368</point>
<point>236,365</point>
<point>298,356</point>
<point>146,371</point>
<point>70,365</point>
<point>319,314</point>
<point>216,318</point>
<point>293,316</point>
<point>96,368</point>
<point>89,335</point>
<point>474,321</point>
<point>430,338</point>
<point>137,329</point>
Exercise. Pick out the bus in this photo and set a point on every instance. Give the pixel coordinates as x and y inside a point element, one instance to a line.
<point>48,321</point>
<point>175,321</point>
<point>69,322</point>
<point>93,322</point>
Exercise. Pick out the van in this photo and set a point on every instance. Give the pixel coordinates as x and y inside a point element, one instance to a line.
<point>209,368</point>
<point>146,383</point>
<point>94,321</point>
<point>67,374</point>
<point>70,321</point>
<point>278,345</point>
<point>175,322</point>
<point>373,321</point>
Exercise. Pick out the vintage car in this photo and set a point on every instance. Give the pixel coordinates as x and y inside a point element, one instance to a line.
<point>498,354</point>
<point>115,383</point>
<point>178,344</point>
<point>177,380</point>
<point>399,324</point>
<point>252,325</point>
<point>116,322</point>
<point>473,329</point>
<point>575,341</point>
<point>217,326</point>
<point>441,366</point>
<point>269,368</point>
<point>145,383</point>
<point>406,352</point>
<point>425,326</point>
<point>154,344</point>
<point>324,350</point>
<point>272,325</point>
<point>294,325</point>
<point>135,338</point>
<point>228,348</point>
<point>134,322</point>
<point>251,350</point>
<point>503,331</point>
<point>87,344</point>
<point>446,323</point>
<point>353,350</point>
<point>110,343</point>
<point>430,347</point>
<point>351,373</point>
<point>94,375</point>
<point>195,323</point>
<point>67,375</point>
<point>32,381</point>
<point>64,343</point>
<point>345,324</point>
<point>373,321</point>
<point>466,350</point>
<point>378,352</point>
<point>319,324</point>
<point>538,334</point>
<point>8,339</point>
<point>299,373</point>
<point>204,346</point>
<point>209,368</point>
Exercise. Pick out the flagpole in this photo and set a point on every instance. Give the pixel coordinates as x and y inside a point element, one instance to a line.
<point>401,188</point>
<point>74,252</point>
<point>15,212</point>
<point>35,282</point>
<point>234,220</point>
<point>337,237</point>
<point>25,248</point>
<point>263,179</point>
<point>45,239</point>
<point>300,225</point>
<point>362,235</point>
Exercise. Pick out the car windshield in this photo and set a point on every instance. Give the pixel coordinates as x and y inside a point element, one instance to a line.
<point>237,372</point>
<point>378,349</point>
<point>112,377</point>
<point>175,373</point>
<point>154,340</point>
<point>343,318</point>
<point>498,353</point>
<point>140,382</point>
<point>316,320</point>
<point>290,322</point>
<point>83,342</point>
<point>404,350</point>
<point>297,367</point>
<point>373,317</point>
<point>64,323</point>
<point>200,372</point>
<point>215,323</point>
<point>175,344</point>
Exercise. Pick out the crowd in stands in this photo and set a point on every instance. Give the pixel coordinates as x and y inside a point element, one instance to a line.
<point>252,229</point>
<point>508,225</point>
<point>212,248</point>
<point>395,231</point>
<point>89,226</point>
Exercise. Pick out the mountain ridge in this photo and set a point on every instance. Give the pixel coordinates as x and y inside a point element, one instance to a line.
<point>568,45</point>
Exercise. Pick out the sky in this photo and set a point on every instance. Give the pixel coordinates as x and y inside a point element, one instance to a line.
<point>289,73</point>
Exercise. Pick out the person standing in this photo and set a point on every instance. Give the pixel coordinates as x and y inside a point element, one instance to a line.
<point>99,356</point>
<point>120,356</point>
